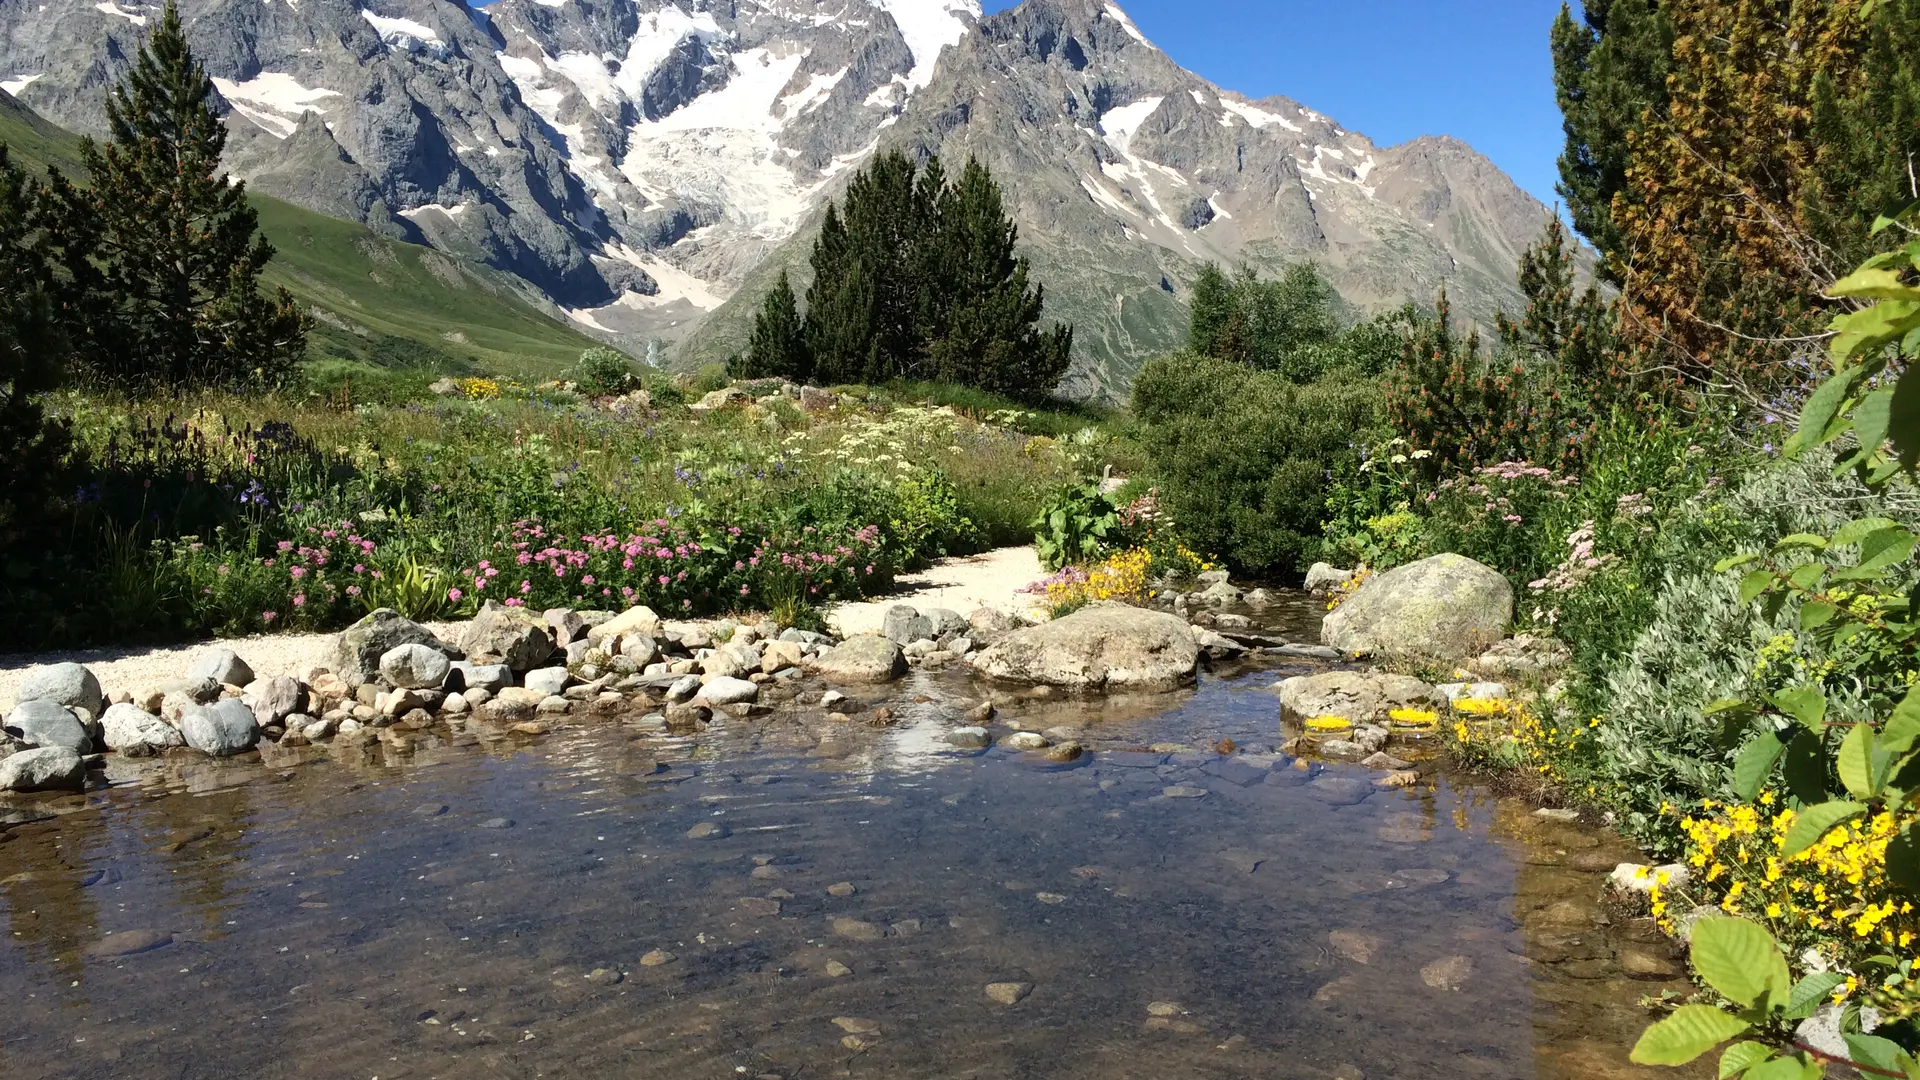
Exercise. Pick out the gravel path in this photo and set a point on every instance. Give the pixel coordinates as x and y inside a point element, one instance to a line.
<point>990,580</point>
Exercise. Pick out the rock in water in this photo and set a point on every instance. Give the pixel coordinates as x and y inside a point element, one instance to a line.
<point>905,625</point>
<point>1359,696</point>
<point>222,729</point>
<point>48,723</point>
<point>506,635</point>
<point>283,696</point>
<point>223,666</point>
<point>729,691</point>
<point>865,658</point>
<point>1008,993</point>
<point>358,649</point>
<point>64,684</point>
<point>1103,647</point>
<point>493,678</point>
<point>1447,607</point>
<point>550,680</point>
<point>47,768</point>
<point>132,730</point>
<point>414,666</point>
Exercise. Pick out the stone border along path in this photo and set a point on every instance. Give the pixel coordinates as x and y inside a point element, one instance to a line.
<point>963,584</point>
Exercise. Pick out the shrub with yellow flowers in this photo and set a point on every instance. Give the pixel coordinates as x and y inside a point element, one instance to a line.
<point>478,389</point>
<point>1121,577</point>
<point>1503,733</point>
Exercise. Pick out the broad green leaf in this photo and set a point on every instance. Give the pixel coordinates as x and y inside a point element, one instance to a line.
<point>1692,1030</point>
<point>1875,284</point>
<point>1859,529</point>
<point>1815,822</point>
<point>1805,769</point>
<point>1801,540</point>
<point>1903,862</point>
<point>1855,762</point>
<point>1815,614</point>
<point>1808,576</point>
<point>1871,418</point>
<point>1877,1053</point>
<point>1804,703</point>
<point>1755,583</point>
<point>1729,705</point>
<point>1737,958</point>
<point>1812,992</point>
<point>1825,402</point>
<point>1755,763</point>
<point>1741,1056</point>
<point>1734,562</point>
<point>1884,547</point>
<point>1902,725</point>
<point>1785,1069</point>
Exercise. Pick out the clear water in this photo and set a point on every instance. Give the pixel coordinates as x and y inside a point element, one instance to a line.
<point>480,907</point>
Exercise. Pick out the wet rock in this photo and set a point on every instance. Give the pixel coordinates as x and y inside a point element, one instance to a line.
<point>129,943</point>
<point>757,907</point>
<point>357,650</point>
<point>729,691</point>
<point>1133,759</point>
<point>46,768</point>
<point>1185,791</point>
<point>1339,790</point>
<point>1238,773</point>
<point>1025,740</point>
<point>1308,652</point>
<point>135,731</point>
<point>1164,1009</point>
<point>1641,963</point>
<point>39,722</point>
<point>222,729</point>
<point>707,830</point>
<point>1109,647</point>
<point>838,970</point>
<point>66,684</point>
<point>1560,814</point>
<point>1359,696</point>
<point>842,889</point>
<point>904,625</point>
<point>969,738</point>
<point>1447,973</point>
<point>657,958</point>
<point>862,659</point>
<point>1008,993</point>
<point>1065,751</point>
<point>1322,576</point>
<point>1355,945</point>
<point>856,930</point>
<point>855,1025</point>
<point>1447,607</point>
<point>428,810</point>
<point>1384,760</point>
<point>683,689</point>
<point>604,976</point>
<point>497,823</point>
<point>1053,898</point>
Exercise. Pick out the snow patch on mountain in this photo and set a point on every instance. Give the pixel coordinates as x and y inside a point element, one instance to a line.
<point>928,27</point>
<point>109,8</point>
<point>273,101</point>
<point>18,83</point>
<point>1126,24</point>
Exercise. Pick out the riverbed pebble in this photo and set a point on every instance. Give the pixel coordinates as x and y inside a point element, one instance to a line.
<point>1008,993</point>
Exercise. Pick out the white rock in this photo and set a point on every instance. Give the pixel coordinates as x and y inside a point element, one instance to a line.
<point>222,665</point>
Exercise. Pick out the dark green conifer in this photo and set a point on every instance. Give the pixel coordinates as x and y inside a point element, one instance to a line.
<point>779,345</point>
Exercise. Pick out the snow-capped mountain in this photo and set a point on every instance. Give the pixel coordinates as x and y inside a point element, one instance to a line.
<point>643,161</point>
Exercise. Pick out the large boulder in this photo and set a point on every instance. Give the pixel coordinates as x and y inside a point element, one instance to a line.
<point>1102,647</point>
<point>222,665</point>
<point>48,723</point>
<point>222,729</point>
<point>358,649</point>
<point>1360,696</point>
<point>634,620</point>
<point>135,731</point>
<point>1447,607</point>
<point>506,635</point>
<point>66,684</point>
<point>863,658</point>
<point>945,621</point>
<point>904,625</point>
<point>273,700</point>
<point>414,666</point>
<point>47,768</point>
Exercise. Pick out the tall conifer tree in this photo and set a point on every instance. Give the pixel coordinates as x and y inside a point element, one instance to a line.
<point>779,345</point>
<point>179,257</point>
<point>32,346</point>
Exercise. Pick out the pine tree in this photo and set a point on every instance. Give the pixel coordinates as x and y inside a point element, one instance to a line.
<point>1210,310</point>
<point>887,221</point>
<point>991,339</point>
<point>32,346</point>
<point>779,345</point>
<point>179,257</point>
<point>1609,75</point>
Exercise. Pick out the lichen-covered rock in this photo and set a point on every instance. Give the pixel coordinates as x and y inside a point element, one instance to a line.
<point>46,768</point>
<point>863,658</point>
<point>358,649</point>
<point>1447,607</point>
<point>506,635</point>
<point>1360,696</point>
<point>65,684</point>
<point>1103,647</point>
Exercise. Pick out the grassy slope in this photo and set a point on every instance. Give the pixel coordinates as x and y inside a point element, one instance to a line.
<point>381,300</point>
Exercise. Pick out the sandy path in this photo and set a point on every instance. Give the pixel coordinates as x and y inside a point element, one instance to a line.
<point>990,580</point>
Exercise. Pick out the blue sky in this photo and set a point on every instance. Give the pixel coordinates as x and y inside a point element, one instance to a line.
<point>1478,70</point>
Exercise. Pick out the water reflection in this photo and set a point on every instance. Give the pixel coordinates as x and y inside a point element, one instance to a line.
<point>789,896</point>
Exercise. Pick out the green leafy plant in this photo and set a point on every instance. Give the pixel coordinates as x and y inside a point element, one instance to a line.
<point>602,370</point>
<point>1073,526</point>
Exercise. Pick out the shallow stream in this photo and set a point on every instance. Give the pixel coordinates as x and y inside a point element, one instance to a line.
<point>828,900</point>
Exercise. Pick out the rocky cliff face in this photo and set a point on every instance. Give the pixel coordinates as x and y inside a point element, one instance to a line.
<point>642,161</point>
